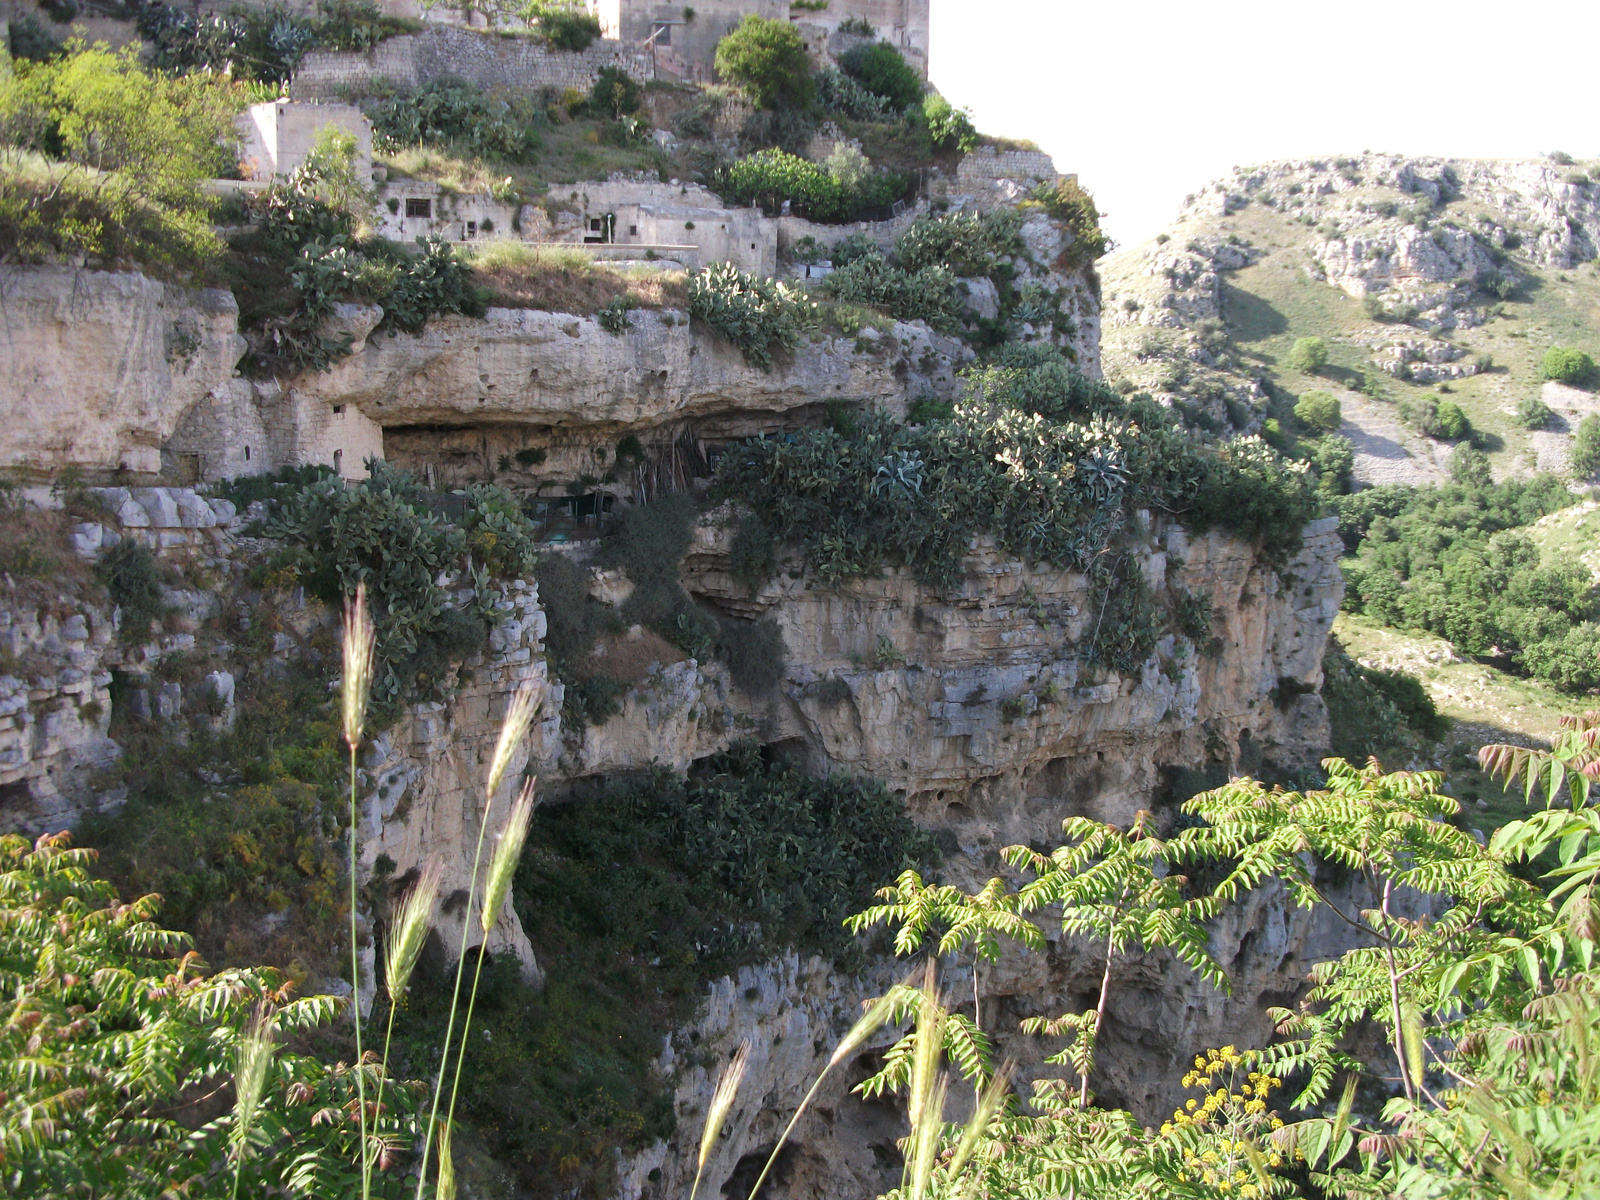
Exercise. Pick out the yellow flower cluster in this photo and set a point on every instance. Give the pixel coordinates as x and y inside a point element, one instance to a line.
<point>1234,1113</point>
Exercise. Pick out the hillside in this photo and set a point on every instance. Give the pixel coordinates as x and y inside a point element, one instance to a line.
<point>1428,279</point>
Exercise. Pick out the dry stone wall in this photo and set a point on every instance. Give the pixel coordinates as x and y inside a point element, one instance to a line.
<point>494,62</point>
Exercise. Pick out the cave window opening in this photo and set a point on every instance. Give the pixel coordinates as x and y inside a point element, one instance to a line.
<point>419,208</point>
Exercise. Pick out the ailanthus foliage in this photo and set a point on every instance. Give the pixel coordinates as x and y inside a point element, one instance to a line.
<point>1484,986</point>
<point>118,1052</point>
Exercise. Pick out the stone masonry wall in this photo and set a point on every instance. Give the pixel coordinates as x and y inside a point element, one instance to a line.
<point>495,63</point>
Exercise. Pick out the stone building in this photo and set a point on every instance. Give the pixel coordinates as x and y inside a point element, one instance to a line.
<point>684,37</point>
<point>275,137</point>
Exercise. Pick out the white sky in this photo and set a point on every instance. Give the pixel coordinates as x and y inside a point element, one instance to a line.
<point>1148,100</point>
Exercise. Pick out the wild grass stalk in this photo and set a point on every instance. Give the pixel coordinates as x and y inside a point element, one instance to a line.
<point>721,1101</point>
<point>519,716</point>
<point>359,651</point>
<point>501,868</point>
<point>249,1080</point>
<point>407,932</point>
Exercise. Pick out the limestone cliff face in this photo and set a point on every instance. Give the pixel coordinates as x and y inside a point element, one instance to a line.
<point>977,704</point>
<point>97,368</point>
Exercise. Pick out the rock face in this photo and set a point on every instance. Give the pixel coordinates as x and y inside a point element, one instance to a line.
<point>978,707</point>
<point>975,706</point>
<point>425,777</point>
<point>97,368</point>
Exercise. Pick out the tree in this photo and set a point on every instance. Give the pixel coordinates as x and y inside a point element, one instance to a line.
<point>883,71</point>
<point>1309,354</point>
<point>1586,448</point>
<point>1566,365</point>
<point>768,59</point>
<point>1319,410</point>
<point>127,151</point>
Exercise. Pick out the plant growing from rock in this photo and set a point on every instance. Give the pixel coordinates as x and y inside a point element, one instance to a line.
<point>759,316</point>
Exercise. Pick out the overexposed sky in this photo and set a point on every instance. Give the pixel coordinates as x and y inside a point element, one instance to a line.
<point>1147,100</point>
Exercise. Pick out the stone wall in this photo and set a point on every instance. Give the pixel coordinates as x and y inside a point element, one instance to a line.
<point>495,62</point>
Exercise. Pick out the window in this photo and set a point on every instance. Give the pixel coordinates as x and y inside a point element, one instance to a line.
<point>419,208</point>
<point>633,231</point>
<point>247,454</point>
<point>661,32</point>
<point>337,409</point>
<point>472,229</point>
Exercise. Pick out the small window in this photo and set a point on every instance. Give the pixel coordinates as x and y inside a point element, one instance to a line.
<point>419,208</point>
<point>247,454</point>
<point>337,409</point>
<point>661,32</point>
<point>633,231</point>
<point>472,229</point>
<point>595,224</point>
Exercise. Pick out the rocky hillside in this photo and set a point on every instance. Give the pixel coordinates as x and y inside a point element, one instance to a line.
<point>1428,279</point>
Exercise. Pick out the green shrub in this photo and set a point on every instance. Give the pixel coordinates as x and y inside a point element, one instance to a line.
<point>1432,417</point>
<point>950,128</point>
<point>1452,561</point>
<point>1533,413</point>
<point>569,29</point>
<point>1372,713</point>
<point>613,317</point>
<point>1333,458</point>
<point>1319,410</point>
<point>126,151</point>
<point>1057,492</point>
<point>1586,448</point>
<point>1452,422</point>
<point>30,40</point>
<point>446,112</point>
<point>758,316</point>
<point>1566,365</point>
<point>965,244</point>
<point>883,71</point>
<point>133,580</point>
<point>615,93</point>
<point>1308,354</point>
<point>300,259</point>
<point>382,532</point>
<point>1470,466</point>
<point>575,623</point>
<point>1073,207</point>
<point>926,295</point>
<point>841,96</point>
<point>770,177</point>
<point>754,556</point>
<point>769,60</point>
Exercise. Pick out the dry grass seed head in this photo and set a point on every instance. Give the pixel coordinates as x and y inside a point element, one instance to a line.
<point>409,928</point>
<point>359,645</point>
<point>507,852</point>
